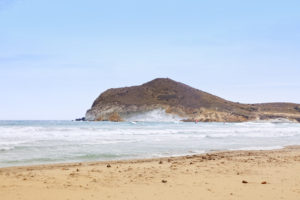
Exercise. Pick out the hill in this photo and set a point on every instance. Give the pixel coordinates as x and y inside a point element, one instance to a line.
<point>187,103</point>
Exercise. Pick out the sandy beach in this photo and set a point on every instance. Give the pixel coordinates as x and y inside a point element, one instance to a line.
<point>245,175</point>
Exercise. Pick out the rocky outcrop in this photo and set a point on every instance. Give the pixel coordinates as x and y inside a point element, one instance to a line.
<point>184,102</point>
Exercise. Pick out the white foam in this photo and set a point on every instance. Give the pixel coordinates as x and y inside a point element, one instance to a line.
<point>157,115</point>
<point>258,148</point>
<point>64,141</point>
<point>276,120</point>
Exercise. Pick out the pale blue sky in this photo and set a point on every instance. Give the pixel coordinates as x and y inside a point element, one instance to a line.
<point>56,57</point>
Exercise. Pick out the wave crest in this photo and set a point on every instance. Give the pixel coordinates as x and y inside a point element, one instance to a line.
<point>157,115</point>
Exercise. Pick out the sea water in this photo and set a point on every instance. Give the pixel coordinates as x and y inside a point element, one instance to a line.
<point>43,142</point>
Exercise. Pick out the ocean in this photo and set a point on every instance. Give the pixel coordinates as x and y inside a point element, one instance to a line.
<point>43,142</point>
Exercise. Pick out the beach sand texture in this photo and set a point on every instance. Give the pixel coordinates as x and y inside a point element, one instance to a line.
<point>247,175</point>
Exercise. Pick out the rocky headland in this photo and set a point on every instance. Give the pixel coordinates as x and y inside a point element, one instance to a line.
<point>180,101</point>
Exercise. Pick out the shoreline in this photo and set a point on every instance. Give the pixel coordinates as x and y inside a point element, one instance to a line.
<point>138,160</point>
<point>243,174</point>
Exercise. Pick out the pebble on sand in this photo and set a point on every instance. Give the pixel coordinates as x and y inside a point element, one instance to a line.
<point>108,165</point>
<point>264,182</point>
<point>244,181</point>
<point>164,181</point>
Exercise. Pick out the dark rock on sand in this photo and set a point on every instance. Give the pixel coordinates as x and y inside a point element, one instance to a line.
<point>80,119</point>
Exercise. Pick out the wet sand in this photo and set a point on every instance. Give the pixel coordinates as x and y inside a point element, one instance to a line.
<point>239,175</point>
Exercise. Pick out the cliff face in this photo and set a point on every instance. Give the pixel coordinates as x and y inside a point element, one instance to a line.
<point>183,101</point>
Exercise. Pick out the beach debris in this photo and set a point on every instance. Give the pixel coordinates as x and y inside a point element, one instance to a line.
<point>160,162</point>
<point>244,181</point>
<point>77,170</point>
<point>164,181</point>
<point>108,165</point>
<point>264,182</point>
<point>191,163</point>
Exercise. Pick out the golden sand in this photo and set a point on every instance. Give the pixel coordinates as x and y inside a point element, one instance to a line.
<point>228,175</point>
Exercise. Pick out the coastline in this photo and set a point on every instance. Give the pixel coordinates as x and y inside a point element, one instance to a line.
<point>143,160</point>
<point>214,175</point>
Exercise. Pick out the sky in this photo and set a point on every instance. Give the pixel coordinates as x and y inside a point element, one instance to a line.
<point>57,56</point>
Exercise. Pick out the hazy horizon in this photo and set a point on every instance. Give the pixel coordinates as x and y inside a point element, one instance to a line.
<point>57,57</point>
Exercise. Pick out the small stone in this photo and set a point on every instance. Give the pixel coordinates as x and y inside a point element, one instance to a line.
<point>77,170</point>
<point>264,182</point>
<point>244,181</point>
<point>160,162</point>
<point>164,181</point>
<point>108,165</point>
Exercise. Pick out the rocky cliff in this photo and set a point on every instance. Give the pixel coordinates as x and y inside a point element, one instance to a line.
<point>183,102</point>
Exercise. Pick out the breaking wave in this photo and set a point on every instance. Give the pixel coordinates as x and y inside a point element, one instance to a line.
<point>37,142</point>
<point>157,115</point>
